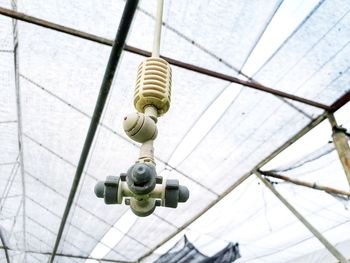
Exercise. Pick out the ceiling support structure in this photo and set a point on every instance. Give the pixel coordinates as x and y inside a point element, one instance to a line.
<point>284,146</point>
<point>340,102</point>
<point>315,186</point>
<point>123,29</point>
<point>340,140</point>
<point>334,107</point>
<point>332,249</point>
<point>211,73</point>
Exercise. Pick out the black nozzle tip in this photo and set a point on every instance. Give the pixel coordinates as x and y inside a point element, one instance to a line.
<point>184,193</point>
<point>99,189</point>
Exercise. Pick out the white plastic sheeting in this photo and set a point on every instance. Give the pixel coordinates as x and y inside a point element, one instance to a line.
<point>267,231</point>
<point>59,77</point>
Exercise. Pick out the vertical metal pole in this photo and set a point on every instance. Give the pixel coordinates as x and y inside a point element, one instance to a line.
<point>340,140</point>
<point>332,249</point>
<point>118,46</point>
<point>19,128</point>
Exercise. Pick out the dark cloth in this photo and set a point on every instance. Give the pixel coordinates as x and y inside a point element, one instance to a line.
<point>185,252</point>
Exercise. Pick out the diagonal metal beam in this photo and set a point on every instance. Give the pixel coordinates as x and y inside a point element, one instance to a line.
<point>332,249</point>
<point>118,45</point>
<point>108,42</point>
<point>297,136</point>
<point>327,189</point>
<point>4,244</point>
<point>336,106</point>
<point>340,102</point>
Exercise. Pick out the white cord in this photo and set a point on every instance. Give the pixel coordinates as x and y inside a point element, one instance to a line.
<point>158,28</point>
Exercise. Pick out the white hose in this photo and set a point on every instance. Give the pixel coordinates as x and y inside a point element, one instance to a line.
<point>158,28</point>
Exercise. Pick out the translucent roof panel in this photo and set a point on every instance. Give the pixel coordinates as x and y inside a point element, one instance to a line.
<point>249,130</point>
<point>214,134</point>
<point>265,229</point>
<point>313,62</point>
<point>193,25</point>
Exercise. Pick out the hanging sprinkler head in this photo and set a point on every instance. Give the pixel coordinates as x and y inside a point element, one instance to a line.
<point>140,186</point>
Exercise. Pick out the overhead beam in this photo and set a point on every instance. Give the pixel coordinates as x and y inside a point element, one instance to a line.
<point>292,140</point>
<point>332,249</point>
<point>336,106</point>
<point>114,58</point>
<point>94,38</point>
<point>329,190</point>
<point>340,102</point>
<point>108,42</point>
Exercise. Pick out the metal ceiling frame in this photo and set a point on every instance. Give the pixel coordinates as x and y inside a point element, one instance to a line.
<point>114,58</point>
<point>313,185</point>
<point>335,106</point>
<point>131,49</point>
<point>297,136</point>
<point>332,249</point>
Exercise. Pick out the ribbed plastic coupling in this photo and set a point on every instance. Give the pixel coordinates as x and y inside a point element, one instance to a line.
<point>153,85</point>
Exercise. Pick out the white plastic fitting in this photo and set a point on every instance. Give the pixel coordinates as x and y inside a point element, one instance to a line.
<point>147,152</point>
<point>140,187</point>
<point>153,85</point>
<point>140,127</point>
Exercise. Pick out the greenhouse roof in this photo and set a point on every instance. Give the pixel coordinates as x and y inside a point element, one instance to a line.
<point>250,78</point>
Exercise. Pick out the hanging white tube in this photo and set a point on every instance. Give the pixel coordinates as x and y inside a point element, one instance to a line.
<point>158,29</point>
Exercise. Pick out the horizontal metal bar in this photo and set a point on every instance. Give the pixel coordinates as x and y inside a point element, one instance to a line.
<point>108,42</point>
<point>249,84</point>
<point>272,155</point>
<point>340,102</point>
